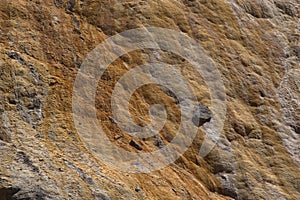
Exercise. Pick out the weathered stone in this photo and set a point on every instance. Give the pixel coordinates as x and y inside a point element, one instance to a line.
<point>101,196</point>
<point>202,115</point>
<point>253,44</point>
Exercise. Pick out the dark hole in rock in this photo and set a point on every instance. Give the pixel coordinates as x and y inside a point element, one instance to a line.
<point>135,145</point>
<point>8,193</point>
<point>12,99</point>
<point>137,189</point>
<point>261,93</point>
<point>296,128</point>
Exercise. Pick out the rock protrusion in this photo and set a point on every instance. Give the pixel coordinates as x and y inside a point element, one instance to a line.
<point>202,115</point>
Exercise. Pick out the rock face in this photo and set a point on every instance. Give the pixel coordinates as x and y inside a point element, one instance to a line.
<point>253,44</point>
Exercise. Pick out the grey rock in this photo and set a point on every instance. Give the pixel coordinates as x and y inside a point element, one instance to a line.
<point>101,196</point>
<point>228,188</point>
<point>202,115</point>
<point>159,142</point>
<point>12,100</point>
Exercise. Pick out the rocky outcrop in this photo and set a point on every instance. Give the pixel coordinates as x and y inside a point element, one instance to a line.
<point>253,44</point>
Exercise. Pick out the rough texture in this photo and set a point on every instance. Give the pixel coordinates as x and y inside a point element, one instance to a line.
<point>202,115</point>
<point>253,43</point>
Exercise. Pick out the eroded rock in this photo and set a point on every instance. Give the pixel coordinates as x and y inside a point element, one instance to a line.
<point>252,43</point>
<point>202,115</point>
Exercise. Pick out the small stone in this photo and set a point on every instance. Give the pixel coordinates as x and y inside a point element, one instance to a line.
<point>202,115</point>
<point>296,128</point>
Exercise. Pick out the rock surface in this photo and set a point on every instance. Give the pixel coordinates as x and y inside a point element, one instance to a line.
<point>255,46</point>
